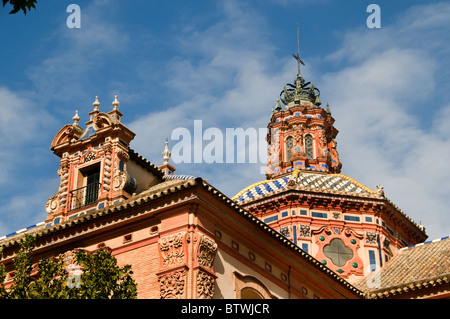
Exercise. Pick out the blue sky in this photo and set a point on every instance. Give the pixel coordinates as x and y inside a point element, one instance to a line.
<point>225,62</point>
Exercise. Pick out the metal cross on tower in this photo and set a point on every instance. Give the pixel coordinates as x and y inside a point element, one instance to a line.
<point>297,57</point>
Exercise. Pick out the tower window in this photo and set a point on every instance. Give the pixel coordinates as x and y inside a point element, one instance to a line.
<point>372,261</point>
<point>309,147</point>
<point>92,182</point>
<point>289,146</point>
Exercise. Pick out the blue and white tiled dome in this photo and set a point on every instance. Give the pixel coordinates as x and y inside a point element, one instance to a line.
<point>319,182</point>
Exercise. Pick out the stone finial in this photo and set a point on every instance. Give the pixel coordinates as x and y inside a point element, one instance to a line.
<point>96,104</point>
<point>166,153</point>
<point>328,109</point>
<point>421,227</point>
<point>115,103</point>
<point>76,118</point>
<point>278,105</point>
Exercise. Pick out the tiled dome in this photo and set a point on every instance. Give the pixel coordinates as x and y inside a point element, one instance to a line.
<point>320,182</point>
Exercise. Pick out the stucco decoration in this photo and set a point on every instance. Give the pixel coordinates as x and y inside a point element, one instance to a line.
<point>338,249</point>
<point>107,171</point>
<point>206,252</point>
<point>173,285</point>
<point>205,285</point>
<point>52,204</point>
<point>102,120</point>
<point>172,249</point>
<point>60,198</point>
<point>121,179</point>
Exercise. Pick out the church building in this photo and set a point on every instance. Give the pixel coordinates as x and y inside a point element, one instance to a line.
<point>305,232</point>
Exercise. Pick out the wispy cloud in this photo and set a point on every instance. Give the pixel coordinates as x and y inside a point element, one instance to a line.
<point>388,94</point>
<point>69,70</point>
<point>383,97</point>
<point>223,76</point>
<point>391,116</point>
<point>29,117</point>
<point>21,125</point>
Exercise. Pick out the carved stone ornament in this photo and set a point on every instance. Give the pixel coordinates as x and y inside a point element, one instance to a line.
<point>123,156</point>
<point>90,155</point>
<point>52,204</point>
<point>69,257</point>
<point>69,131</point>
<point>59,199</point>
<point>205,285</point>
<point>101,121</point>
<point>171,248</point>
<point>206,252</point>
<point>107,149</point>
<point>172,286</point>
<point>327,230</point>
<point>120,179</point>
<point>350,232</point>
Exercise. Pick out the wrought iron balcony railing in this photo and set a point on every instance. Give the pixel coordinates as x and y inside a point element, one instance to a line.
<point>84,196</point>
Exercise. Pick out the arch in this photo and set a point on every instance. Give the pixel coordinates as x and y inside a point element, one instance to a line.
<point>67,132</point>
<point>249,287</point>
<point>102,120</point>
<point>309,146</point>
<point>250,293</point>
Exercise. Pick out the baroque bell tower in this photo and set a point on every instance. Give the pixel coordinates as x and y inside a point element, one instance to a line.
<point>301,135</point>
<point>350,228</point>
<point>97,166</point>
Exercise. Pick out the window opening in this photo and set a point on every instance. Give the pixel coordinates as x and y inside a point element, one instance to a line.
<point>289,146</point>
<point>338,252</point>
<point>309,147</point>
<point>87,194</point>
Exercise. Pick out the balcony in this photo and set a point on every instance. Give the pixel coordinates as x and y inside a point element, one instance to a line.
<point>84,196</point>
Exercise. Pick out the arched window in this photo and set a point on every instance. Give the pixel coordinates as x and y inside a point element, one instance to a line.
<point>249,287</point>
<point>289,146</point>
<point>250,293</point>
<point>309,147</point>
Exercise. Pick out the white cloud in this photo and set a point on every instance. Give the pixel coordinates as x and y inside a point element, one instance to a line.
<point>24,134</point>
<point>224,79</point>
<point>391,118</point>
<point>227,75</point>
<point>22,126</point>
<point>65,72</point>
<point>385,87</point>
<point>27,207</point>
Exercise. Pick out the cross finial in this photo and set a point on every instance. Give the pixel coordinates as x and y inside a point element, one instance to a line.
<point>297,57</point>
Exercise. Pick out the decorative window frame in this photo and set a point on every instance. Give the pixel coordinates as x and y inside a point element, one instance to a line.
<point>242,281</point>
<point>324,235</point>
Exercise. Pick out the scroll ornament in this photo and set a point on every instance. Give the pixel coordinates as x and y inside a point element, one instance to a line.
<point>171,248</point>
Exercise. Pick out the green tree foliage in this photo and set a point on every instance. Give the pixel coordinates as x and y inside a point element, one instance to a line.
<point>101,277</point>
<point>23,5</point>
